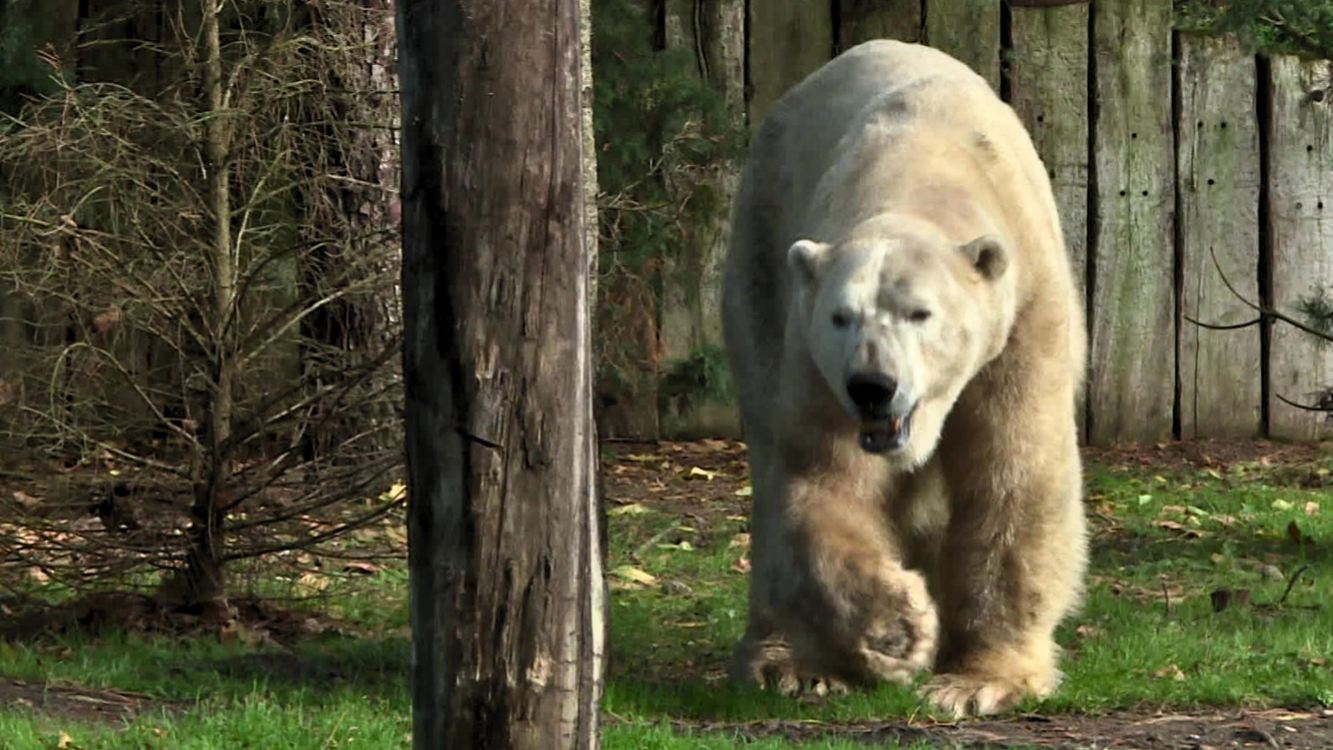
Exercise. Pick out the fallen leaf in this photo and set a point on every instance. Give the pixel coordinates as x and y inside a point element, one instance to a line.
<point>1088,631</point>
<point>397,491</point>
<point>359,566</point>
<point>683,546</point>
<point>65,740</point>
<point>1225,520</point>
<point>1311,508</point>
<point>1172,671</point>
<point>1144,499</point>
<point>633,509</point>
<point>641,457</point>
<point>741,540</point>
<point>1173,509</point>
<point>745,491</point>
<point>106,320</point>
<point>742,565</point>
<point>27,501</point>
<point>1280,504</point>
<point>1185,531</point>
<point>313,581</point>
<point>695,471</point>
<point>638,575</point>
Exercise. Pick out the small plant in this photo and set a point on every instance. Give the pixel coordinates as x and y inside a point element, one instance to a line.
<point>210,294</point>
<point>703,374</point>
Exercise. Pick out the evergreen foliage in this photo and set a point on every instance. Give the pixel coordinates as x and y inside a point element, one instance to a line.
<point>661,132</point>
<point>1303,27</point>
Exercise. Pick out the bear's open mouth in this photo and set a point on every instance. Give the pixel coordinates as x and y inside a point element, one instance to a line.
<point>891,434</point>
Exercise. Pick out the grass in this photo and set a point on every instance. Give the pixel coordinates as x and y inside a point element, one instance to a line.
<point>1147,637</point>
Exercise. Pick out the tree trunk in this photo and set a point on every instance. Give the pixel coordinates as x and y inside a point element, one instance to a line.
<point>508,599</point>
<point>206,585</point>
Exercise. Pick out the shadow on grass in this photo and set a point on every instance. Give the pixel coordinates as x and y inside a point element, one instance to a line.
<point>361,664</point>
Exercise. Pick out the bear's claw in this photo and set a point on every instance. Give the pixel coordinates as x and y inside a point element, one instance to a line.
<point>966,694</point>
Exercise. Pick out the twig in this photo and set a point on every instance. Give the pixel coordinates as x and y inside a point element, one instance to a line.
<point>1292,582</point>
<point>1213,327</point>
<point>1263,311</point>
<point>1289,402</point>
<point>659,536</point>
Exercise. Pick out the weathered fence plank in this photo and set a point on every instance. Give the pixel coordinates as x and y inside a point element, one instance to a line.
<point>863,20</point>
<point>691,295</point>
<point>1218,181</point>
<point>789,39</point>
<point>1131,389</point>
<point>1048,75</point>
<point>1300,223</point>
<point>970,31</point>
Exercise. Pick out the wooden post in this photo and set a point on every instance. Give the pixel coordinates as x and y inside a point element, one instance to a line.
<point>1300,226</point>
<point>863,20</point>
<point>789,40</point>
<point>1048,75</point>
<point>1131,389</point>
<point>508,600</point>
<point>1218,179</point>
<point>970,31</point>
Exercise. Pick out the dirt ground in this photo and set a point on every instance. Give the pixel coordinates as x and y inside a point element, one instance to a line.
<point>700,481</point>
<point>1205,730</point>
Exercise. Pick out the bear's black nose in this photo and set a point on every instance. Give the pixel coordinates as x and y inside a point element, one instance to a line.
<point>872,392</point>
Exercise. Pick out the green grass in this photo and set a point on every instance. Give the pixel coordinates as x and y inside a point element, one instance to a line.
<point>1146,637</point>
<point>1147,634</point>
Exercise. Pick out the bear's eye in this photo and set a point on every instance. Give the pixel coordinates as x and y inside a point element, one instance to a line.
<point>842,319</point>
<point>919,315</point>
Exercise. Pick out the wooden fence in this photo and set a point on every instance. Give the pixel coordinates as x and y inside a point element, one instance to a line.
<point>1172,156</point>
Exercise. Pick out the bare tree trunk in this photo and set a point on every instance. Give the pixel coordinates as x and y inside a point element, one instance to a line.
<point>508,599</point>
<point>212,472</point>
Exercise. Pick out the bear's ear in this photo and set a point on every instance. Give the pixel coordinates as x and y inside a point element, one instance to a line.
<point>988,255</point>
<point>806,258</point>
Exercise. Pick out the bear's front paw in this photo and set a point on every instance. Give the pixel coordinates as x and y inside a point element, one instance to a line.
<point>768,664</point>
<point>975,694</point>
<point>901,636</point>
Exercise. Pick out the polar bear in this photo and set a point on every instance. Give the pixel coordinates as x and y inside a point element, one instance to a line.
<point>908,343</point>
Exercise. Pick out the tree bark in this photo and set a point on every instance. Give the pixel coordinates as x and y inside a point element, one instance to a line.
<point>206,586</point>
<point>508,599</point>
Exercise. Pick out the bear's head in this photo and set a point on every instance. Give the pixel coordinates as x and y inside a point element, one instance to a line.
<point>898,324</point>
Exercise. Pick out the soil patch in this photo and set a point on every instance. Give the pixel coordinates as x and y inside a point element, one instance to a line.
<point>68,702</point>
<point>1203,730</point>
